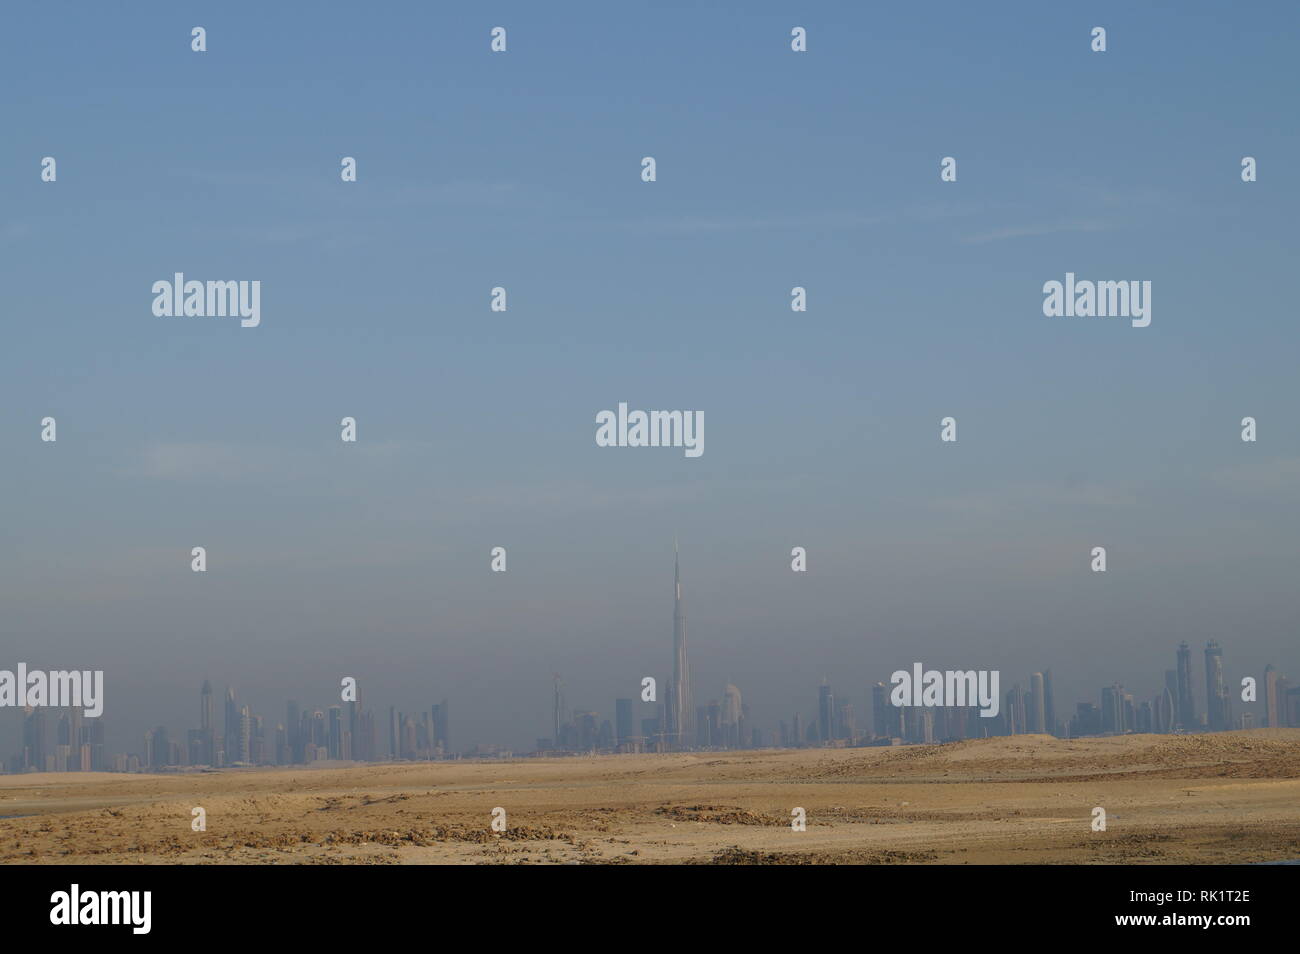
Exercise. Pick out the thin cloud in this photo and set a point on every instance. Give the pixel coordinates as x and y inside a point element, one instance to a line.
<point>1262,476</point>
<point>229,462</point>
<point>1031,231</point>
<point>1018,498</point>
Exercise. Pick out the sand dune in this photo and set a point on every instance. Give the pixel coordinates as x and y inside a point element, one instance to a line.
<point>1211,799</point>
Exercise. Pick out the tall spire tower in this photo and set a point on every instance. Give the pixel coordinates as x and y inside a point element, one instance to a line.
<point>682,716</point>
<point>205,706</point>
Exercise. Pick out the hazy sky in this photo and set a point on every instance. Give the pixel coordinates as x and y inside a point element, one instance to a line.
<point>476,429</point>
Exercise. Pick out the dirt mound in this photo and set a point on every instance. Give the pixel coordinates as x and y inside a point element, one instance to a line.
<point>716,815</point>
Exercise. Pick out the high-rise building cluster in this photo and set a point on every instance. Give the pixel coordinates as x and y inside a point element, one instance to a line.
<point>1029,708</point>
<point>348,732</point>
<point>77,744</point>
<point>1175,708</point>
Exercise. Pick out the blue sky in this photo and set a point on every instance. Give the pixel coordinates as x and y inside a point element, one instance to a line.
<point>476,428</point>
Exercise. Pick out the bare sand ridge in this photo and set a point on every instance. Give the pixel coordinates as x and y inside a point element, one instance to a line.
<point>1209,799</point>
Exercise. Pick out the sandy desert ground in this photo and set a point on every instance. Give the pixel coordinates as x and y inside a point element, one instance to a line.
<point>1209,799</point>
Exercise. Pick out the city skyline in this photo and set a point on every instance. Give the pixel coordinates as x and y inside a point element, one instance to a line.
<point>346,731</point>
<point>424,735</point>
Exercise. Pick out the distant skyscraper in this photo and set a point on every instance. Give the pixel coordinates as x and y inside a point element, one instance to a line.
<point>919,724</point>
<point>33,738</point>
<point>205,706</point>
<point>587,727</point>
<point>232,727</point>
<point>76,738</point>
<point>1171,683</point>
<point>293,731</point>
<point>1216,710</point>
<point>1038,712</point>
<point>558,715</point>
<point>441,739</point>
<point>1186,703</point>
<point>317,733</point>
<point>1271,708</point>
<point>283,753</point>
<point>623,720</point>
<point>1289,704</point>
<point>1087,719</point>
<point>364,746</point>
<point>1145,717</point>
<point>732,713</point>
<point>98,754</point>
<point>1015,714</point>
<point>881,725</point>
<point>1049,704</point>
<point>1165,710</point>
<point>708,725</point>
<point>825,712</point>
<point>155,747</point>
<point>247,734</point>
<point>845,722</point>
<point>336,732</point>
<point>1114,711</point>
<point>682,713</point>
<point>352,724</point>
<point>202,746</point>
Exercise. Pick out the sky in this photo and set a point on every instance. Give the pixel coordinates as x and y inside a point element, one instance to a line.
<point>476,428</point>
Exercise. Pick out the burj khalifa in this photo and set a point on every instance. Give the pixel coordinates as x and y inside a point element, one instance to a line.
<point>680,711</point>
